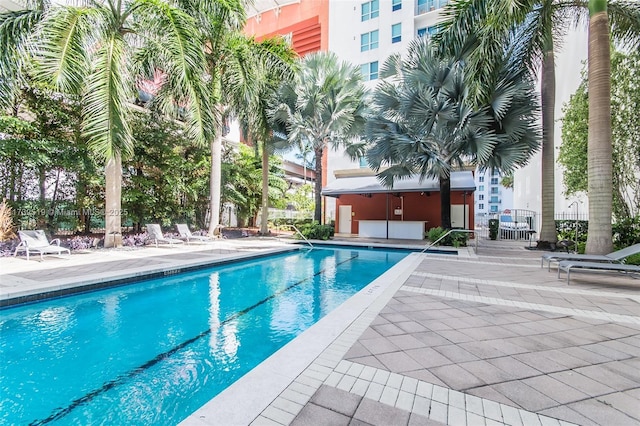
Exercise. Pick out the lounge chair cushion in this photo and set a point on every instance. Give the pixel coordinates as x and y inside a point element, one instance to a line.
<point>37,242</point>
<point>155,235</point>
<point>568,265</point>
<point>614,257</point>
<point>185,233</point>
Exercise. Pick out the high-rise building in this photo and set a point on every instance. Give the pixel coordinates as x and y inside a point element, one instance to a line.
<point>366,33</point>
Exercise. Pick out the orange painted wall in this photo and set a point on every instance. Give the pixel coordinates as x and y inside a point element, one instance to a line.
<point>416,207</point>
<point>303,19</point>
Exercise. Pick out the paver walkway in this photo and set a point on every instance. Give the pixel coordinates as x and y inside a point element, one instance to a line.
<point>480,339</point>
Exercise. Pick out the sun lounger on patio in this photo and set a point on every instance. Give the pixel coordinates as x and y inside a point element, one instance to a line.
<point>155,235</point>
<point>185,233</point>
<point>569,265</point>
<point>614,257</point>
<point>37,242</point>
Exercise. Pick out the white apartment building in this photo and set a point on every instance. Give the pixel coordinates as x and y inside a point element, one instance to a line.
<point>367,32</point>
<point>491,196</point>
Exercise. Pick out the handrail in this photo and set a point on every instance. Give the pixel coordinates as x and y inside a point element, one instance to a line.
<point>449,232</point>
<point>298,231</point>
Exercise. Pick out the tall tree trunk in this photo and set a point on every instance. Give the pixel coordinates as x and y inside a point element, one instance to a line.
<point>317,213</point>
<point>445,201</point>
<point>113,202</point>
<point>548,233</point>
<point>215,183</point>
<point>12,179</point>
<point>599,150</point>
<point>42,218</point>
<point>264,228</point>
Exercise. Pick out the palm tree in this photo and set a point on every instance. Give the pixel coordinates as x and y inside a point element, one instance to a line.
<point>90,51</point>
<point>325,105</point>
<point>235,64</point>
<point>272,63</point>
<point>422,122</point>
<point>599,146</point>
<point>15,29</point>
<point>480,29</point>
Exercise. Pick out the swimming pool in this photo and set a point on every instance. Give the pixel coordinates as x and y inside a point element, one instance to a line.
<point>155,351</point>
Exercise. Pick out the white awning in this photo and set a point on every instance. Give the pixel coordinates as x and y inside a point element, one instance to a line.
<point>460,181</point>
<point>257,7</point>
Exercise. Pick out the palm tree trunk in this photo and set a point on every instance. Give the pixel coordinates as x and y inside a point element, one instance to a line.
<point>264,228</point>
<point>317,213</point>
<point>113,202</point>
<point>548,233</point>
<point>599,149</point>
<point>215,183</point>
<point>445,201</point>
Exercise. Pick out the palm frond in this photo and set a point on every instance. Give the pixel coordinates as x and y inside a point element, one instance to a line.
<point>184,66</point>
<point>63,43</point>
<point>624,17</point>
<point>105,110</point>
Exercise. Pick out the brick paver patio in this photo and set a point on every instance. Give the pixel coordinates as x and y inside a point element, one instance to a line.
<point>476,339</point>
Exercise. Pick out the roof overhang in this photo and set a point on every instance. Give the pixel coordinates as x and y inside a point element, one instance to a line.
<point>460,181</point>
<point>257,7</point>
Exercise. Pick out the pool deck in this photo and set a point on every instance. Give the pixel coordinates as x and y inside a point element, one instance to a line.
<point>482,338</point>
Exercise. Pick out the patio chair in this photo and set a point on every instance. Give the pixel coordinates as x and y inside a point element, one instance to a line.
<point>37,242</point>
<point>569,265</point>
<point>155,235</point>
<point>613,257</point>
<point>185,233</point>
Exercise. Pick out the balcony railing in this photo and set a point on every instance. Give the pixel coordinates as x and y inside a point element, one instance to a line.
<point>430,5</point>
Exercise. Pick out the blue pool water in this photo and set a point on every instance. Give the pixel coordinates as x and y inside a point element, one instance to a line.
<point>155,351</point>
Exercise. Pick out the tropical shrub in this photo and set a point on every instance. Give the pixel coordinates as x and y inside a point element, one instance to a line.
<point>494,224</point>
<point>316,231</point>
<point>455,239</point>
<point>6,222</point>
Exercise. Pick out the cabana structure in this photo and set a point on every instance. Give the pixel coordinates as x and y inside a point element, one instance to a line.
<point>366,208</point>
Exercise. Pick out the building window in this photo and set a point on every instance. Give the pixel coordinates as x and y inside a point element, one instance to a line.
<point>370,10</point>
<point>494,190</point>
<point>369,41</point>
<point>481,197</point>
<point>396,5</point>
<point>427,32</point>
<point>494,209</point>
<point>363,163</point>
<point>481,188</point>
<point>495,199</point>
<point>480,178</point>
<point>424,6</point>
<point>494,181</point>
<point>369,71</point>
<point>481,206</point>
<point>396,33</point>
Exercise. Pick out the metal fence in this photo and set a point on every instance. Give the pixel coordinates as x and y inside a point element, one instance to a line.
<point>521,216</point>
<point>513,224</point>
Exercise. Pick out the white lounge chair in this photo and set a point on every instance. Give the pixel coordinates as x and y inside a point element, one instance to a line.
<point>613,257</point>
<point>155,235</point>
<point>569,265</point>
<point>185,233</point>
<point>37,242</point>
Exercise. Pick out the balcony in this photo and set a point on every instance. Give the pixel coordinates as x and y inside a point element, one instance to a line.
<point>426,6</point>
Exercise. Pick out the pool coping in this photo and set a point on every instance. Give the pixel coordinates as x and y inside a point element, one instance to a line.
<point>249,396</point>
<point>38,291</point>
